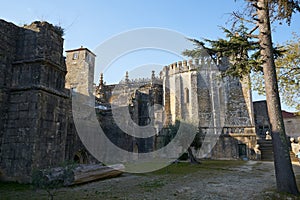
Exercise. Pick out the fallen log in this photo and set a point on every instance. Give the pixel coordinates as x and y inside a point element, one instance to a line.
<point>72,175</point>
<point>84,174</point>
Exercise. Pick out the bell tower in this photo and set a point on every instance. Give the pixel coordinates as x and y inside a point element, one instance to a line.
<point>80,70</point>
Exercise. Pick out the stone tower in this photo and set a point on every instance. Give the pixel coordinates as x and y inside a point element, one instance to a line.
<point>195,90</point>
<point>80,66</point>
<point>33,100</point>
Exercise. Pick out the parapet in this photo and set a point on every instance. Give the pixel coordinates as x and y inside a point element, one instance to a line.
<point>187,65</point>
<point>40,41</point>
<point>41,26</point>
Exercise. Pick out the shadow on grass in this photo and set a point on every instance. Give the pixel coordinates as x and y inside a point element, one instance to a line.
<point>154,180</point>
<point>183,168</point>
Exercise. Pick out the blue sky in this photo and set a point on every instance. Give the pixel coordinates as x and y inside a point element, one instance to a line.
<point>90,23</point>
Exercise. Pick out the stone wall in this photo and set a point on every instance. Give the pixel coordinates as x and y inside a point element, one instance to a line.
<point>33,99</point>
<point>35,133</point>
<point>292,126</point>
<point>235,146</point>
<point>261,117</point>
<point>8,39</point>
<point>142,97</point>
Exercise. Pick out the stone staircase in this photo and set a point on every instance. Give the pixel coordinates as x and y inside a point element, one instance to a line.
<point>293,157</point>
<point>266,149</point>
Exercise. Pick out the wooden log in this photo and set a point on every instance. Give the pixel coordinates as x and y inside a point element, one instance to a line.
<point>84,174</point>
<point>79,174</point>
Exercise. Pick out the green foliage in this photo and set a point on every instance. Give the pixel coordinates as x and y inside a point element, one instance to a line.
<point>288,73</point>
<point>171,132</point>
<point>284,9</point>
<point>59,30</point>
<point>198,140</point>
<point>149,186</point>
<point>43,179</point>
<point>237,47</point>
<point>13,186</point>
<point>183,168</point>
<point>243,50</point>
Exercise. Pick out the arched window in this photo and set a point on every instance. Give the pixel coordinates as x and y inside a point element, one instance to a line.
<point>135,148</point>
<point>186,95</point>
<point>135,151</point>
<point>80,157</point>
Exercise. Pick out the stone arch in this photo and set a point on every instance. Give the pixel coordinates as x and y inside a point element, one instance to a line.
<point>135,148</point>
<point>80,157</point>
<point>136,151</point>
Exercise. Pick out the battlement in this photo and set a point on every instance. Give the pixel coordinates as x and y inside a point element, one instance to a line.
<point>189,65</point>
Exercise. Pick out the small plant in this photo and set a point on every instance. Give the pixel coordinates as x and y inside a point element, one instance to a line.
<point>59,30</point>
<point>53,178</point>
<point>41,181</point>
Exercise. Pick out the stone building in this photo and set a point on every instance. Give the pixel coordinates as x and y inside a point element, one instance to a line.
<point>291,124</point>
<point>209,99</point>
<point>33,98</point>
<point>36,122</point>
<point>262,121</point>
<point>80,65</point>
<point>188,91</point>
<point>263,126</point>
<point>36,127</point>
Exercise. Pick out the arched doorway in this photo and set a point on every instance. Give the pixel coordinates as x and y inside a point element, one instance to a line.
<point>135,151</point>
<point>80,157</point>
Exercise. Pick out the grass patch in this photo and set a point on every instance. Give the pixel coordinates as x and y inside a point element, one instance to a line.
<point>150,185</point>
<point>183,168</point>
<point>14,186</point>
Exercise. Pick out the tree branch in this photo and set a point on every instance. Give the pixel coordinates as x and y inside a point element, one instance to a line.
<point>256,6</point>
<point>236,15</point>
<point>254,29</point>
<point>252,36</point>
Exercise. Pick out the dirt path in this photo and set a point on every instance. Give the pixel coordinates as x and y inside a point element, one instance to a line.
<point>217,180</point>
<point>220,183</point>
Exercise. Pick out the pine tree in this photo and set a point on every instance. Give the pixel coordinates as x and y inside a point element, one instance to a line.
<point>260,14</point>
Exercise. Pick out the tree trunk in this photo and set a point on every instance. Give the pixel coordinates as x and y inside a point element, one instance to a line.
<point>193,160</point>
<point>285,177</point>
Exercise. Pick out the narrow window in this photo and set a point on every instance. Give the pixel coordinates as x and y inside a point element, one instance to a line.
<point>186,95</point>
<point>75,56</point>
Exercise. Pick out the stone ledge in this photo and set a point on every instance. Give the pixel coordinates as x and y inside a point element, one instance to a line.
<point>39,87</point>
<point>240,134</point>
<point>40,60</point>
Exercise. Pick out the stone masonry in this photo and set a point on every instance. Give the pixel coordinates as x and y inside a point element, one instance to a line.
<point>189,92</point>
<point>36,82</point>
<point>33,100</point>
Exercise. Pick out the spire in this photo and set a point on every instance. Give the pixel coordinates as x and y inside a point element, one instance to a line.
<point>101,79</point>
<point>126,77</point>
<point>153,75</point>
